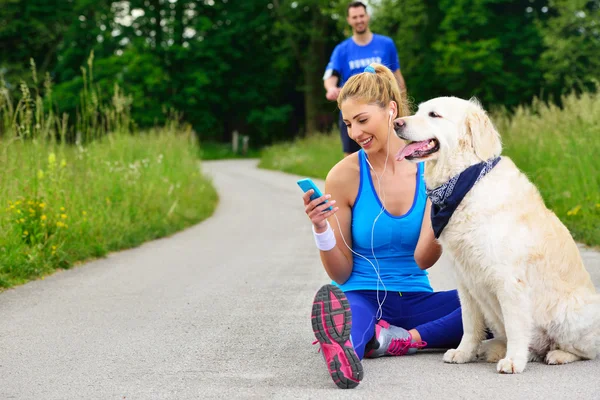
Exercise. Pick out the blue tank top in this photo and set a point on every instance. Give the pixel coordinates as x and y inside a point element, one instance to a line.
<point>394,239</point>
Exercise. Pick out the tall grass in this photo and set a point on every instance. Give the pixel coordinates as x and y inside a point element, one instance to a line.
<point>558,148</point>
<point>62,202</point>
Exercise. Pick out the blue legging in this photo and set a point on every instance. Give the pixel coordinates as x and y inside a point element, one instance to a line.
<point>436,316</point>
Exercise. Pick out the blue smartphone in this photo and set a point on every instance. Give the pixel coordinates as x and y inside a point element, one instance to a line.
<point>307,184</point>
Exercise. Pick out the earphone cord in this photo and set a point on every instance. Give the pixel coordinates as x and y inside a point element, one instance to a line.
<point>379,313</point>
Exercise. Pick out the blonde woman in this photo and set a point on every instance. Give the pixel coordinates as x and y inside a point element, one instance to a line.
<point>376,243</point>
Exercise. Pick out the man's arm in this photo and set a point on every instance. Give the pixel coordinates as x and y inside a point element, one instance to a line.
<point>331,82</point>
<point>331,77</point>
<point>331,87</point>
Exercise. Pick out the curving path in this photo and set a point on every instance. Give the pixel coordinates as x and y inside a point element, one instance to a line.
<point>222,310</point>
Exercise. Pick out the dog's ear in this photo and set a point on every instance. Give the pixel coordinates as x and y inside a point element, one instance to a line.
<point>484,136</point>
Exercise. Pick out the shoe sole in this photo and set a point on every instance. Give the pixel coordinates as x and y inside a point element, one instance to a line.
<point>331,322</point>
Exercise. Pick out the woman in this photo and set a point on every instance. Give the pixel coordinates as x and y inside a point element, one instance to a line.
<point>381,302</point>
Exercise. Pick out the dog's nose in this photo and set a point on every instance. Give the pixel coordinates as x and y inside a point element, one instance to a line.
<point>399,124</point>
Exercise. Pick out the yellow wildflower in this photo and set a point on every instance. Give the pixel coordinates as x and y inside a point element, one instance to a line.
<point>43,217</point>
<point>63,163</point>
<point>84,212</point>
<point>40,174</point>
<point>574,210</point>
<point>62,209</point>
<point>42,205</point>
<point>60,224</point>
<point>25,233</point>
<point>63,216</point>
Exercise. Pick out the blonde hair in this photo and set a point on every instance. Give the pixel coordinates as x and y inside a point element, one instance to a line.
<point>378,88</point>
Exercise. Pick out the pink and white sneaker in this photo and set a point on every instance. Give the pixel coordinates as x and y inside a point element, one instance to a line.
<point>391,340</point>
<point>331,321</point>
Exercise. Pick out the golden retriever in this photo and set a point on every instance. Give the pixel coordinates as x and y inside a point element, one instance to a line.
<point>519,272</point>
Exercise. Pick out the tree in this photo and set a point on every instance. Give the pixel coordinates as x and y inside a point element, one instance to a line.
<point>308,27</point>
<point>413,25</point>
<point>484,48</point>
<point>31,29</point>
<point>572,38</point>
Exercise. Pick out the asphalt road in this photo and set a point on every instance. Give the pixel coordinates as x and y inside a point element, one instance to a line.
<point>222,310</point>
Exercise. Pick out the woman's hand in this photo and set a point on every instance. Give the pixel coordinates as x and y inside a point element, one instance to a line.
<point>428,249</point>
<point>317,211</point>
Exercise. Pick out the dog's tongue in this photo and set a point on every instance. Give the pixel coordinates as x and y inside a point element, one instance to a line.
<point>410,149</point>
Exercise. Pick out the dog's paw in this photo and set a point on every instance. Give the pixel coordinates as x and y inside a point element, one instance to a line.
<point>556,357</point>
<point>492,350</point>
<point>455,356</point>
<point>510,366</point>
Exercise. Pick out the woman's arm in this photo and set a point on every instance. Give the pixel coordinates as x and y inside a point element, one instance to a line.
<point>337,261</point>
<point>428,249</point>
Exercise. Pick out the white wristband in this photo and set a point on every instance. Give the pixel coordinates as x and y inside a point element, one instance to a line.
<point>325,241</point>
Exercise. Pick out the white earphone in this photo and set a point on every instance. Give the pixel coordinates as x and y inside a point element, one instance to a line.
<point>379,313</point>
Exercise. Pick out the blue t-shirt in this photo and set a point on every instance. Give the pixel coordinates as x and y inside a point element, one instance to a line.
<point>349,59</point>
<point>394,239</point>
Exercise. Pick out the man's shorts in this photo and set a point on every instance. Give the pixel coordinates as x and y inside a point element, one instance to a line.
<point>349,145</point>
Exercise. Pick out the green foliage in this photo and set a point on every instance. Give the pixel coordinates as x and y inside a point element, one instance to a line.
<point>563,163</point>
<point>35,117</point>
<point>483,48</point>
<point>32,28</point>
<point>572,39</point>
<point>256,66</point>
<point>63,204</point>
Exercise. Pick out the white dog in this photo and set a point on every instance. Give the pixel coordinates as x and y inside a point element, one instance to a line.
<point>519,272</point>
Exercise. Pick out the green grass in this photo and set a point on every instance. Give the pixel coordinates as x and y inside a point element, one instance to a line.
<point>64,204</point>
<point>73,191</point>
<point>559,149</point>
<point>312,156</point>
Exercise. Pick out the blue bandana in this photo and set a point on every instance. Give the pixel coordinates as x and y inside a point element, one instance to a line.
<point>445,198</point>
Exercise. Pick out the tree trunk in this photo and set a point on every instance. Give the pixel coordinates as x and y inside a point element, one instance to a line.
<point>179,23</point>
<point>158,29</point>
<point>314,93</point>
<point>310,101</point>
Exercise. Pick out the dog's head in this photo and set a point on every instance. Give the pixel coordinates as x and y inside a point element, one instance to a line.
<point>452,132</point>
